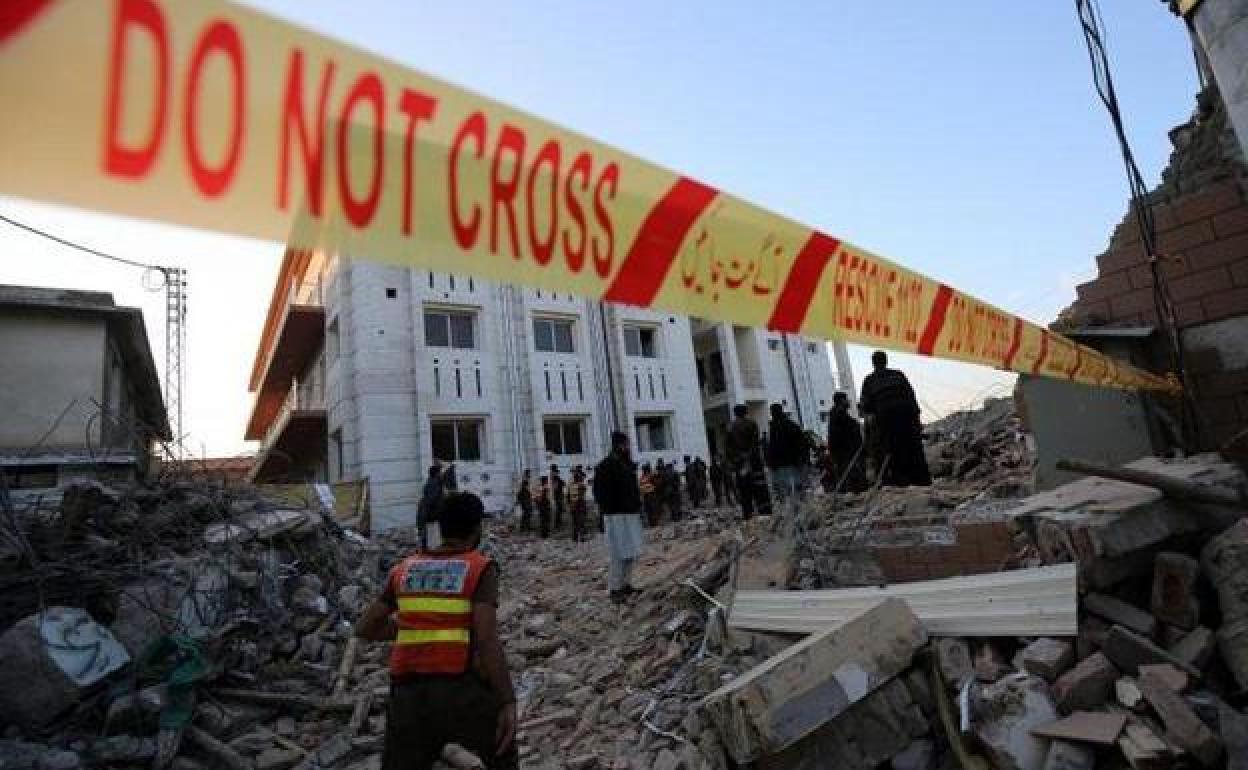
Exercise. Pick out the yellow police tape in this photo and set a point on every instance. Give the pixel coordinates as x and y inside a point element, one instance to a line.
<point>213,115</point>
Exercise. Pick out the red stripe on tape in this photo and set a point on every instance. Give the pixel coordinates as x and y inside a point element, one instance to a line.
<point>654,250</point>
<point>1014,343</point>
<point>935,320</point>
<point>1044,351</point>
<point>15,14</point>
<point>799,289</point>
<point>1074,370</point>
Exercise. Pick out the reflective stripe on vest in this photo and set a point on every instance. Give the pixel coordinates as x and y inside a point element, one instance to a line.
<point>434,593</point>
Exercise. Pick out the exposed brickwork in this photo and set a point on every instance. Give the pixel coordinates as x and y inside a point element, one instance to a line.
<point>1200,215</point>
<point>980,547</point>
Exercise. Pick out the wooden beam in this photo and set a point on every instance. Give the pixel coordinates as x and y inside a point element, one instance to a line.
<point>1031,602</point>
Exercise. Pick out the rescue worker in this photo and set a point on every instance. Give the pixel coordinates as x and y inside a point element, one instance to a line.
<point>888,400</point>
<point>845,447</point>
<point>788,456</point>
<point>543,507</point>
<point>448,673</point>
<point>670,484</point>
<point>649,495</point>
<point>577,503</point>
<point>524,498</point>
<point>745,463</point>
<point>426,511</point>
<point>558,491</point>
<point>716,474</point>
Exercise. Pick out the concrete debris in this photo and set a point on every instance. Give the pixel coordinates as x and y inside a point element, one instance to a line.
<point>814,681</point>
<point>1098,727</point>
<point>1064,755</point>
<point>261,596</point>
<point>1048,658</point>
<point>1087,685</point>
<point>1174,590</point>
<point>1183,726</point>
<point>1006,713</point>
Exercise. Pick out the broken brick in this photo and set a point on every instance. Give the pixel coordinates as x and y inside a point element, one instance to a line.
<point>1048,658</point>
<point>1174,590</point>
<point>1087,685</point>
<point>1182,725</point>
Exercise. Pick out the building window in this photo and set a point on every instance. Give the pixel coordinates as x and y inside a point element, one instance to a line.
<point>654,433</point>
<point>773,344</point>
<point>564,437</point>
<point>641,341</point>
<point>392,293</point>
<point>718,381</point>
<point>553,335</point>
<point>812,347</point>
<point>458,440</point>
<point>450,329</point>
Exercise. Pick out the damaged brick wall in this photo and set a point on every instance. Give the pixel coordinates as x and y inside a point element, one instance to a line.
<point>1201,214</point>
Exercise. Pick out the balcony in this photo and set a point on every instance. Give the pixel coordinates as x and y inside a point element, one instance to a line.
<point>296,438</point>
<point>299,336</point>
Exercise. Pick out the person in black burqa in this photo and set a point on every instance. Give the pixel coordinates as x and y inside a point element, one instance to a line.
<point>845,447</point>
<point>889,402</point>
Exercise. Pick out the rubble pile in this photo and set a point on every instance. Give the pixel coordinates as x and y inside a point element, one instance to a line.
<point>985,448</point>
<point>1152,676</point>
<point>171,624</point>
<point>196,627</point>
<point>981,467</point>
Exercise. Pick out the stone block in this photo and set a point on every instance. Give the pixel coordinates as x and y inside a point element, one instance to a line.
<point>814,681</point>
<point>953,655</point>
<point>1174,590</point>
<point>1064,755</point>
<point>1196,647</point>
<point>1183,727</point>
<point>1087,685</point>
<point>33,688</point>
<point>1048,658</point>
<point>879,727</point>
<point>1120,613</point>
<point>1098,727</point>
<point>1008,711</point>
<point>1129,651</point>
<point>1174,678</point>
<point>1127,693</point>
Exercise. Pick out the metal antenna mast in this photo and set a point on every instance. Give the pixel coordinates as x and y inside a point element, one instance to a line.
<point>175,351</point>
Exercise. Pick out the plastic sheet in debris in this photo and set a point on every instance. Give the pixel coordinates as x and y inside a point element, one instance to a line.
<point>85,650</point>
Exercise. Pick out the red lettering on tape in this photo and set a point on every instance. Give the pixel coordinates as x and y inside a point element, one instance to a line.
<point>658,240</point>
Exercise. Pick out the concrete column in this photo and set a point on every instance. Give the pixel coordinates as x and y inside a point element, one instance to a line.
<point>1222,28</point>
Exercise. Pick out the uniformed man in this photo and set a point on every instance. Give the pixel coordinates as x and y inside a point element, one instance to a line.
<point>448,673</point>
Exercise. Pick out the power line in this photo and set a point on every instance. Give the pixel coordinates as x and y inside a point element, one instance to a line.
<point>174,284</point>
<point>1163,304</point>
<point>78,246</point>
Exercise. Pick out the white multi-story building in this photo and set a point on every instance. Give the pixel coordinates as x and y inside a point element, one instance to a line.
<point>366,371</point>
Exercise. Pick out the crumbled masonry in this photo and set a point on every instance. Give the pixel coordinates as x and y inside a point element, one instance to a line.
<point>229,613</point>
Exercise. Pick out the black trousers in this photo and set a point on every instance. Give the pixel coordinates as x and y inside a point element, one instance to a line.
<point>427,713</point>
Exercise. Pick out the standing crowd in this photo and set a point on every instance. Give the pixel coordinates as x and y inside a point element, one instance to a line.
<point>449,675</point>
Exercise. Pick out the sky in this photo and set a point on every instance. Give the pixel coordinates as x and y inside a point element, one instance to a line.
<point>963,141</point>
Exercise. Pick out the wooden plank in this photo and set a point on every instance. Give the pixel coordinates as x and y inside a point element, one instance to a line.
<point>1031,602</point>
<point>791,695</point>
